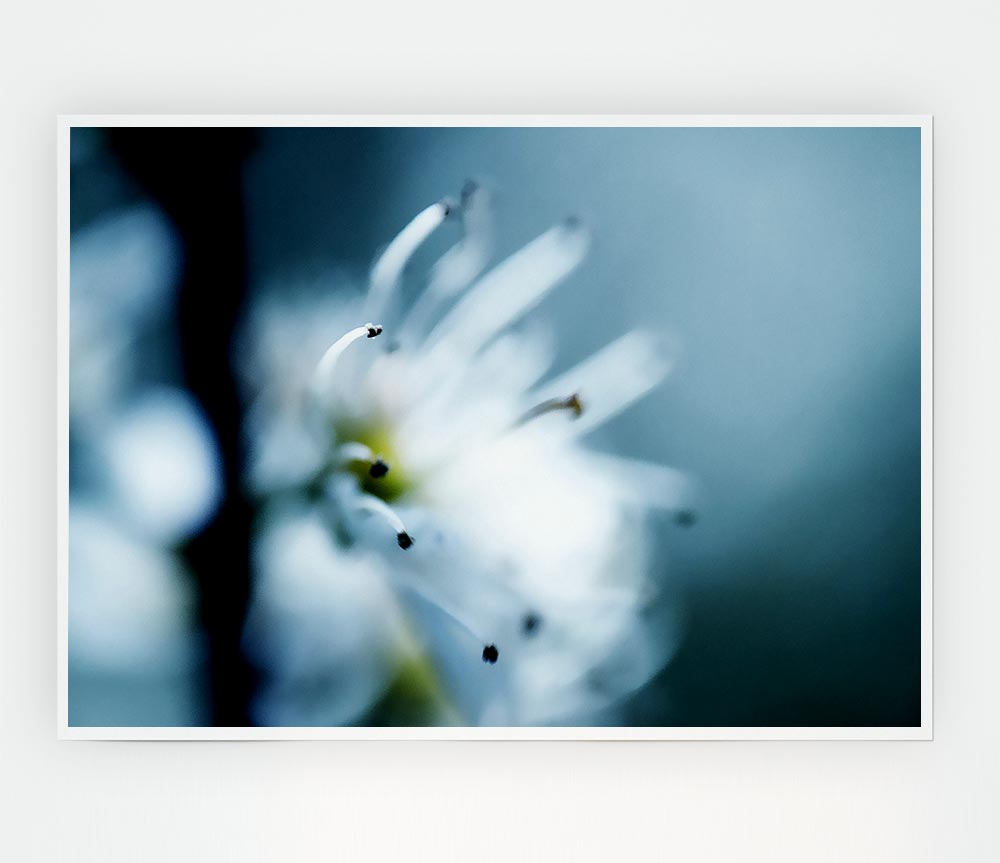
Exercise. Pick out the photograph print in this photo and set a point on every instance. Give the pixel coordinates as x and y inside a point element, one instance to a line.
<point>515,428</point>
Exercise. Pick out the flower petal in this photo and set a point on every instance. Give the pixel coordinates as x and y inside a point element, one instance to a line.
<point>458,267</point>
<point>609,381</point>
<point>388,269</point>
<point>644,483</point>
<point>507,292</point>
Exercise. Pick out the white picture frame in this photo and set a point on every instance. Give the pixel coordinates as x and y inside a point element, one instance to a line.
<point>922,732</point>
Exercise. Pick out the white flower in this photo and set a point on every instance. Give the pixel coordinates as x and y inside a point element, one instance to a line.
<point>124,268</point>
<point>129,600</point>
<point>160,458</point>
<point>145,477</point>
<point>510,559</point>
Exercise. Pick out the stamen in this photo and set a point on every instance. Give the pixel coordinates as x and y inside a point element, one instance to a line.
<point>354,452</point>
<point>433,597</point>
<point>613,378</point>
<point>388,269</point>
<point>530,623</point>
<point>571,403</point>
<point>372,504</point>
<point>324,369</point>
<point>469,189</point>
<point>457,268</point>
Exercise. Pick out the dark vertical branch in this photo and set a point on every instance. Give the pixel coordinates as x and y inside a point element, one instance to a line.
<point>195,174</point>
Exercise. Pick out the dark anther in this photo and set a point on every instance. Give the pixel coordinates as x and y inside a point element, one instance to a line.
<point>490,653</point>
<point>404,539</point>
<point>530,623</point>
<point>378,469</point>
<point>572,403</point>
<point>572,222</point>
<point>468,190</point>
<point>449,206</point>
<point>686,517</point>
<point>374,330</point>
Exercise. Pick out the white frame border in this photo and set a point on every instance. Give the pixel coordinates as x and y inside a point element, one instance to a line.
<point>922,732</point>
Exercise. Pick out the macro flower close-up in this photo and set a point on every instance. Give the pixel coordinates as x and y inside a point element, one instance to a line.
<point>448,465</point>
<point>493,427</point>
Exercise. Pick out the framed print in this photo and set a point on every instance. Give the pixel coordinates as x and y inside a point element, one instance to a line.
<point>601,427</point>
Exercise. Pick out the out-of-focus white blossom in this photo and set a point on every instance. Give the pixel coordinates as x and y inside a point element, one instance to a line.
<point>130,604</point>
<point>334,639</point>
<point>145,476</point>
<point>161,458</point>
<point>123,269</point>
<point>454,520</point>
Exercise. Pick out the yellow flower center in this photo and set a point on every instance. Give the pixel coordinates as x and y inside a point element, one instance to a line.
<point>378,438</point>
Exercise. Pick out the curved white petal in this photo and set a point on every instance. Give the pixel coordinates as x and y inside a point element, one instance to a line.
<point>608,381</point>
<point>505,293</point>
<point>646,484</point>
<point>388,269</point>
<point>458,267</point>
<point>477,398</point>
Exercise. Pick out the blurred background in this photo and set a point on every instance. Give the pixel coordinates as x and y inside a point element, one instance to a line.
<point>783,263</point>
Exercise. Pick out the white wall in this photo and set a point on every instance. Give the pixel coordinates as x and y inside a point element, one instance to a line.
<point>476,802</point>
